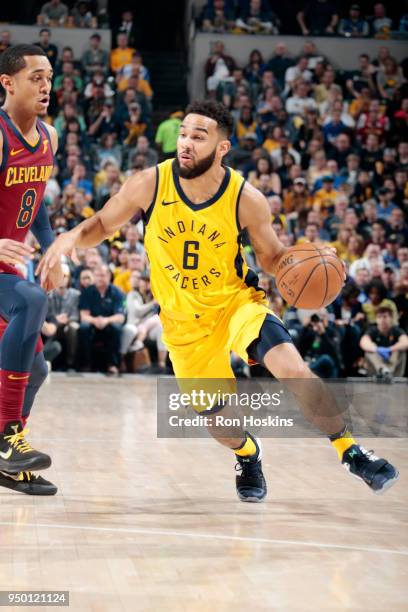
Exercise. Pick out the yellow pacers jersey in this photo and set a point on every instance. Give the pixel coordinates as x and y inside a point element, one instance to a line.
<point>194,250</point>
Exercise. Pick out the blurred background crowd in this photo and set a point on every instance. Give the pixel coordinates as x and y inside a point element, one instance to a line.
<point>327,147</point>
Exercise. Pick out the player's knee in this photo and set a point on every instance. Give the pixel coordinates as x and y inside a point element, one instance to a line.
<point>37,297</point>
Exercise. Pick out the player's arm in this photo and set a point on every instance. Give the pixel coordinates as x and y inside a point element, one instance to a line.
<point>255,216</point>
<point>41,227</point>
<point>135,194</point>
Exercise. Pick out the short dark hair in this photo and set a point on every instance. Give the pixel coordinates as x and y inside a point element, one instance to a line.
<point>12,59</point>
<point>45,30</point>
<point>213,110</point>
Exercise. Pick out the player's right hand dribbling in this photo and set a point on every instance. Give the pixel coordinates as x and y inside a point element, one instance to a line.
<point>13,252</point>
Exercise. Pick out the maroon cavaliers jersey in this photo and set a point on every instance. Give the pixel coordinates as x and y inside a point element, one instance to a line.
<point>24,173</point>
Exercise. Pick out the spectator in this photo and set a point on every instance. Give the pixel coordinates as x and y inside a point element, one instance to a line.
<point>68,70</point>
<point>130,27</point>
<point>79,180</point>
<point>82,16</point>
<point>389,79</point>
<point>280,62</point>
<point>354,25</point>
<point>381,25</point>
<point>5,40</point>
<point>134,125</point>
<point>143,323</point>
<point>136,82</point>
<point>218,16</point>
<point>108,150</point>
<point>377,296</point>
<point>298,72</point>
<point>257,18</point>
<point>300,102</point>
<point>102,316</point>
<point>385,205</point>
<point>45,44</point>
<point>135,65</point>
<point>167,135</point>
<point>95,59</point>
<point>98,87</point>
<point>53,13</point>
<point>324,199</point>
<point>297,198</point>
<point>333,128</point>
<point>136,261</point>
<point>318,17</point>
<point>264,167</point>
<point>106,122</point>
<point>319,344</point>
<point>122,54</point>
<point>217,67</point>
<point>385,346</point>
<point>63,306</point>
<point>142,148</point>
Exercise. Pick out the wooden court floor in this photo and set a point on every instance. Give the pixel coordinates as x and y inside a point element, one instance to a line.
<point>141,524</point>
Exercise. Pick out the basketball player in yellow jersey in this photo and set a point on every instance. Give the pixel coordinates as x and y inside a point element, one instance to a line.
<point>195,210</point>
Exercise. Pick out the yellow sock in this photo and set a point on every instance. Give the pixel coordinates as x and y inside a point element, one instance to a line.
<point>247,449</point>
<point>343,443</point>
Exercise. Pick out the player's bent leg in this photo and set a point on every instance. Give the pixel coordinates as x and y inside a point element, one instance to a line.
<point>320,407</point>
<point>28,482</point>
<point>215,371</point>
<point>23,305</point>
<point>39,373</point>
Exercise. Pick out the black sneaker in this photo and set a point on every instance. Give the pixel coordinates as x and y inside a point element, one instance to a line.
<point>28,483</point>
<point>377,473</point>
<point>250,483</point>
<point>16,455</point>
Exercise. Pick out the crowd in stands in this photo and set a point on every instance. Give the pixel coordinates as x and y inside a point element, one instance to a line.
<point>313,18</point>
<point>328,149</point>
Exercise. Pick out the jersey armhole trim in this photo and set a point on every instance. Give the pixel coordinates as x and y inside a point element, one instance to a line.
<point>149,211</point>
<point>237,206</point>
<point>44,128</point>
<point>5,150</point>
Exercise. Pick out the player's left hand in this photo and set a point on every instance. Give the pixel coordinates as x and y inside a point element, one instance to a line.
<point>53,279</point>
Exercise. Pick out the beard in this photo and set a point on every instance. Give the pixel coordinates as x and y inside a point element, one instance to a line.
<point>198,169</point>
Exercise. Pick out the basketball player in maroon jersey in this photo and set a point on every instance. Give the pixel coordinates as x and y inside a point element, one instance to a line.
<point>27,148</point>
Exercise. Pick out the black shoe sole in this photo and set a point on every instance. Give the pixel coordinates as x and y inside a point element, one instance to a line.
<point>28,488</point>
<point>28,465</point>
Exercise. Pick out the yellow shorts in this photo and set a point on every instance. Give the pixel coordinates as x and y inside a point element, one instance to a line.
<point>200,348</point>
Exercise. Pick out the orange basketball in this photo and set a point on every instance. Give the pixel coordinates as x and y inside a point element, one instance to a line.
<point>309,276</point>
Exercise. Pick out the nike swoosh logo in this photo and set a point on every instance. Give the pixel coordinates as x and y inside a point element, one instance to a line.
<point>15,152</point>
<point>168,203</point>
<point>7,455</point>
<point>14,377</point>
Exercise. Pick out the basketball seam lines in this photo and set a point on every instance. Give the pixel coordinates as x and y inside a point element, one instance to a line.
<point>329,263</point>
<point>296,264</point>
<point>327,280</point>
<point>305,283</point>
